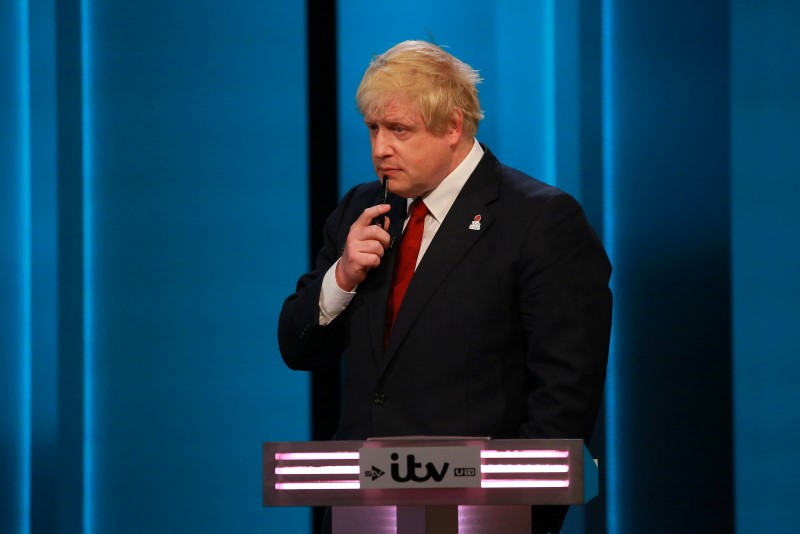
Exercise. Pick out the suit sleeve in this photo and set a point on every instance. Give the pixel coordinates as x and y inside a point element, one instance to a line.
<point>305,344</point>
<point>565,305</point>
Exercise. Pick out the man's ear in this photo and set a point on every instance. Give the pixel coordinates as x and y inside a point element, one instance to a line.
<point>455,126</point>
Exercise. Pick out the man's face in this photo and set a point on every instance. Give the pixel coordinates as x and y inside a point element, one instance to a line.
<point>415,159</point>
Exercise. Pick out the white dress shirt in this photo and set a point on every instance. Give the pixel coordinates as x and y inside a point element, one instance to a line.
<point>333,300</point>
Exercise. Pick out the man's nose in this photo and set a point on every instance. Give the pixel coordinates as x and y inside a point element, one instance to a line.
<point>381,144</point>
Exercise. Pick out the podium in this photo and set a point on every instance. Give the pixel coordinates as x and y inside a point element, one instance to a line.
<point>429,484</point>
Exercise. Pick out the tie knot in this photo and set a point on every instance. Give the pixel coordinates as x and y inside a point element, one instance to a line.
<point>418,209</point>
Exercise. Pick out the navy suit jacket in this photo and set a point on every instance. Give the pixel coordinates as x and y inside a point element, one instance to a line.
<point>503,330</point>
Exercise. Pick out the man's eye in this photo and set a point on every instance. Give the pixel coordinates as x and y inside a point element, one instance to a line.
<point>400,129</point>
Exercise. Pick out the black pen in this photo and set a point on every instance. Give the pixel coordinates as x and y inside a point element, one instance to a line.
<point>384,199</point>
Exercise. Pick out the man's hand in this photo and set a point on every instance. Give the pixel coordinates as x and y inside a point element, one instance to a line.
<point>365,246</point>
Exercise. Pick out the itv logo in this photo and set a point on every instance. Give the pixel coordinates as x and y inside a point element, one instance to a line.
<point>431,472</point>
<point>420,467</point>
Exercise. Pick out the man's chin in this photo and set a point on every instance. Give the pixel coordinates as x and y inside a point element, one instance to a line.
<point>404,193</point>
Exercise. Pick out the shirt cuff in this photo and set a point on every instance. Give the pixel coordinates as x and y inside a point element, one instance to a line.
<point>332,299</point>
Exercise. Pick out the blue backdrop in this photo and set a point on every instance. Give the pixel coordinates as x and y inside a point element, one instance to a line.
<point>153,215</point>
<point>765,178</point>
<point>153,220</point>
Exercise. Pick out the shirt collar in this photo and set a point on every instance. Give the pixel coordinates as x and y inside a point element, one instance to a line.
<point>440,200</point>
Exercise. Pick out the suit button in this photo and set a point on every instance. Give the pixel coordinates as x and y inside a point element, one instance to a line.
<point>379,399</point>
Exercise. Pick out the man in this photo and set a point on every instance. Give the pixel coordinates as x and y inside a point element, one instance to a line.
<point>503,328</point>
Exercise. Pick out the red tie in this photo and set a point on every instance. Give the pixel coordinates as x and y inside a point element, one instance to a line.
<point>405,262</point>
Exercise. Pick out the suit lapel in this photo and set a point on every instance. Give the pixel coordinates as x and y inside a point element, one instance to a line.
<point>453,240</point>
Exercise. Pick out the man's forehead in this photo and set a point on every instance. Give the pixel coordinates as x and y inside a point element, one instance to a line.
<point>394,108</point>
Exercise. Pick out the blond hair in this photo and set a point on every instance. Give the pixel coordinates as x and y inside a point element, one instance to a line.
<point>425,73</point>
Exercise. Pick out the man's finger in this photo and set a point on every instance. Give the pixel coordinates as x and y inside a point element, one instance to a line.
<point>370,213</point>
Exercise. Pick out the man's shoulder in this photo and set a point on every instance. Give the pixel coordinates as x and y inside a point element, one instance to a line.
<point>359,197</point>
<point>364,190</point>
<point>517,185</point>
<point>522,190</point>
<point>518,181</point>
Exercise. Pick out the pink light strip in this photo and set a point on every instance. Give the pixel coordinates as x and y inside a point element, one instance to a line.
<point>318,470</point>
<point>539,468</point>
<point>342,485</point>
<point>316,455</point>
<point>524,483</point>
<point>524,454</point>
